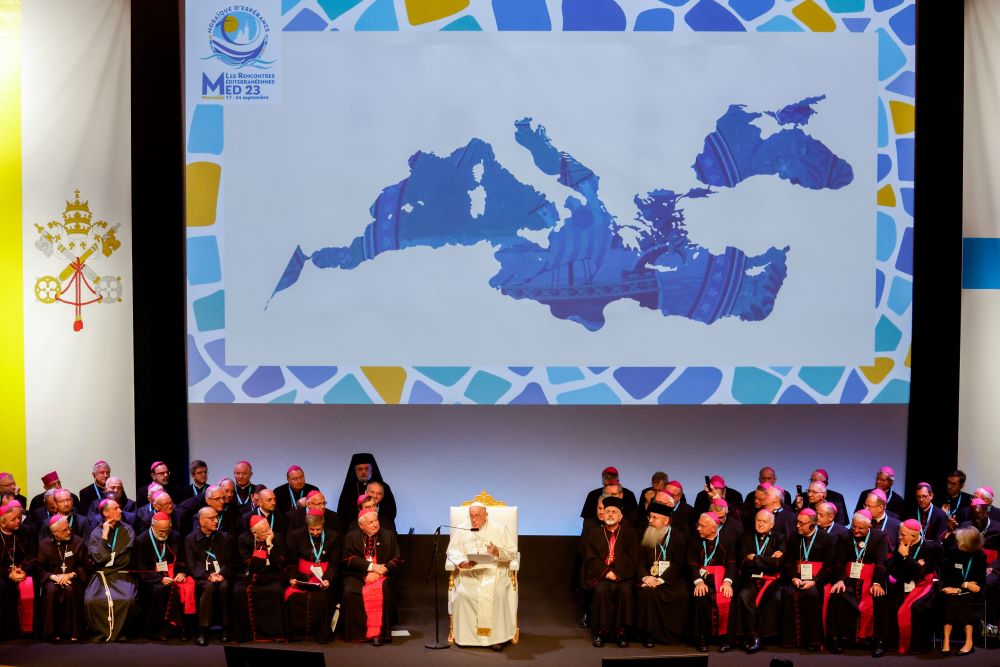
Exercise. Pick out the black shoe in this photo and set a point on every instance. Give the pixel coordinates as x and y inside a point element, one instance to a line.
<point>833,646</point>
<point>163,635</point>
<point>377,641</point>
<point>200,640</point>
<point>496,647</point>
<point>225,636</point>
<point>725,648</point>
<point>877,650</point>
<point>812,648</point>
<point>622,641</point>
<point>185,635</point>
<point>754,645</point>
<point>585,621</point>
<point>598,642</point>
<point>701,645</point>
<point>648,643</point>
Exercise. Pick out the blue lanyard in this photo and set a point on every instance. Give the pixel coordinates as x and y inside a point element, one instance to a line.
<point>270,518</point>
<point>249,493</point>
<point>807,550</point>
<point>710,556</point>
<point>295,501</point>
<point>983,531</point>
<point>958,504</point>
<point>111,546</point>
<point>318,553</point>
<point>924,524</point>
<point>663,547</point>
<point>97,490</point>
<point>160,555</point>
<point>888,497</point>
<point>194,487</point>
<point>965,570</point>
<point>921,546</point>
<point>861,554</point>
<point>761,547</point>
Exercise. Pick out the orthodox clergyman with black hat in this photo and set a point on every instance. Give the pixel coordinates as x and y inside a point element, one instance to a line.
<point>610,557</point>
<point>363,469</point>
<point>662,604</point>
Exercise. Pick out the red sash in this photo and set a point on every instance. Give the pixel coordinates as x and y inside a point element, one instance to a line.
<point>866,604</point>
<point>991,555</point>
<point>185,590</point>
<point>905,613</point>
<point>371,594</point>
<point>26,604</point>
<point>307,575</point>
<point>721,615</point>
<point>768,580</point>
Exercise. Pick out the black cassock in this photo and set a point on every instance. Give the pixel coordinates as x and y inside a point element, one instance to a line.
<point>758,580</point>
<point>309,609</point>
<point>844,616</point>
<point>60,612</point>
<point>915,622</point>
<point>612,601</point>
<point>347,506</point>
<point>709,617</point>
<point>802,608</point>
<point>161,604</point>
<point>203,553</point>
<point>661,612</point>
<point>381,548</point>
<point>288,499</point>
<point>259,590</point>
<point>17,548</point>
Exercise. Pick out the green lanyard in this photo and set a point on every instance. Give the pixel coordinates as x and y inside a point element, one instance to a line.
<point>269,518</point>
<point>919,547</point>
<point>807,550</point>
<point>965,570</point>
<point>710,556</point>
<point>111,546</point>
<point>761,547</point>
<point>160,555</point>
<point>663,547</point>
<point>295,501</point>
<point>861,554</point>
<point>317,552</point>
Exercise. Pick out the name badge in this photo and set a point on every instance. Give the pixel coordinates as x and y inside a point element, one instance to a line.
<point>318,573</point>
<point>855,570</point>
<point>757,575</point>
<point>111,561</point>
<point>958,566</point>
<point>161,566</point>
<point>659,568</point>
<point>908,586</point>
<point>68,554</point>
<point>215,565</point>
<point>806,571</point>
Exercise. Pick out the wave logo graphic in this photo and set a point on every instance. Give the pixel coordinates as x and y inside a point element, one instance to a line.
<point>238,38</point>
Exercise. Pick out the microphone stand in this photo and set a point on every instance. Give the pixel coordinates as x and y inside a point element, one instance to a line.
<point>438,644</point>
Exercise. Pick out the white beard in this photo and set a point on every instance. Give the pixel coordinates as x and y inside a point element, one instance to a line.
<point>653,536</point>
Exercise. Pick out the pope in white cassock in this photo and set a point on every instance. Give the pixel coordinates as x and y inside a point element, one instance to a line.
<point>484,604</point>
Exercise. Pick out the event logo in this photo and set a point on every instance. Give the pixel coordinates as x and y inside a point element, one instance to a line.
<point>79,239</point>
<point>238,36</point>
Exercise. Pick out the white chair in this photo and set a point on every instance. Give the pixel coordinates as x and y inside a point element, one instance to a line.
<point>502,514</point>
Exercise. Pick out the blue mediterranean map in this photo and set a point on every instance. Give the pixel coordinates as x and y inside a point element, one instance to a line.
<point>587,263</point>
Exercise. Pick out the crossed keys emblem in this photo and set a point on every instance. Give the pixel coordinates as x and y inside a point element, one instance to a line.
<point>79,239</point>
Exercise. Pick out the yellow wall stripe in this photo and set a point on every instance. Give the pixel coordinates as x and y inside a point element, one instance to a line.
<point>13,446</point>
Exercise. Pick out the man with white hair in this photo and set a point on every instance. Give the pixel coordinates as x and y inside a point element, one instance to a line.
<point>18,550</point>
<point>95,490</point>
<point>371,564</point>
<point>259,590</point>
<point>62,557</point>
<point>858,607</point>
<point>111,594</point>
<point>662,596</point>
<point>757,611</point>
<point>784,520</point>
<point>986,494</point>
<point>835,497</point>
<point>167,593</point>
<point>610,555</point>
<point>713,568</point>
<point>484,603</point>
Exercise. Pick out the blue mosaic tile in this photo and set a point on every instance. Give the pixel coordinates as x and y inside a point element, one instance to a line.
<point>845,6</point>
<point>347,391</point>
<point>288,5</point>
<point>883,126</point>
<point>855,389</point>
<point>446,375</point>
<point>752,385</point>
<point>709,15</point>
<point>564,374</point>
<point>900,295</point>
<point>520,370</point>
<point>313,376</point>
<point>219,393</point>
<point>795,396</point>
<point>592,15</point>
<point>287,398</point>
<point>205,133</point>
<point>904,159</point>
<point>782,370</point>
<point>464,23</point>
<point>879,286</point>
<point>675,3</point>
<point>203,266</point>
<point>655,20</point>
<point>198,370</point>
<point>904,260</point>
<point>822,379</point>
<point>486,388</point>
<point>210,311</point>
<point>216,350</point>
<point>639,382</point>
<point>891,58</point>
<point>521,15</point>
<point>335,8</point>
<point>598,394</point>
<point>856,24</point>
<point>780,24</point>
<point>751,9</point>
<point>904,24</point>
<point>884,166</point>
<point>885,236</point>
<point>530,395</point>
<point>887,335</point>
<point>263,381</point>
<point>882,5</point>
<point>421,394</point>
<point>904,84</point>
<point>693,386</point>
<point>380,16</point>
<point>306,21</point>
<point>906,194</point>
<point>897,391</point>
<point>597,370</point>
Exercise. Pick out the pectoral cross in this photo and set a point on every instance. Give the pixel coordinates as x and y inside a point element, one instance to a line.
<point>63,568</point>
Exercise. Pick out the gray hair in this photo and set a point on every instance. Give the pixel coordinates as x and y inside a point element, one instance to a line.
<point>969,539</point>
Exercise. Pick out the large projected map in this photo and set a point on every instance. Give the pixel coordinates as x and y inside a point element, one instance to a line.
<point>591,259</point>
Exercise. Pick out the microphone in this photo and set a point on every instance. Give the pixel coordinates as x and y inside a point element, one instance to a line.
<point>437,531</point>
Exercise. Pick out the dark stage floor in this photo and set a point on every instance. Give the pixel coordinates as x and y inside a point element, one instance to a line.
<point>549,634</point>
